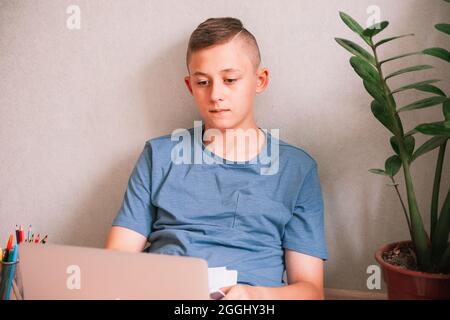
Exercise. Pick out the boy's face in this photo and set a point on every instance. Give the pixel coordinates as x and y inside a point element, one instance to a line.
<point>223,77</point>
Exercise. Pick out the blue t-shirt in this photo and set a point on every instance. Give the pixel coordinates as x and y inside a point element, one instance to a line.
<point>228,213</point>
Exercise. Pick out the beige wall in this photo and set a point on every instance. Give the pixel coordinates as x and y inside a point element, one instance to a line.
<point>77,106</point>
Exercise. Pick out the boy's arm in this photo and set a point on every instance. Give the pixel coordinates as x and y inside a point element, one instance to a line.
<point>124,239</point>
<point>305,281</point>
<point>304,276</point>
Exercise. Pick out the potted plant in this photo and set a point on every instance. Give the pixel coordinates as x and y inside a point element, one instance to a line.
<point>418,268</point>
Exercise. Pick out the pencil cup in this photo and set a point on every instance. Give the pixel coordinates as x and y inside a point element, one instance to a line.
<point>11,287</point>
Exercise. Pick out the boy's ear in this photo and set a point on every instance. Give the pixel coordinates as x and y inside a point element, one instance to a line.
<point>187,81</point>
<point>262,79</point>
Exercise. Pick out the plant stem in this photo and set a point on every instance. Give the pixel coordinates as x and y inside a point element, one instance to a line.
<point>436,189</point>
<point>444,264</point>
<point>403,204</point>
<point>441,232</point>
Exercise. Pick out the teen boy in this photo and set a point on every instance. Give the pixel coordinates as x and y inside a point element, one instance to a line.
<point>228,211</point>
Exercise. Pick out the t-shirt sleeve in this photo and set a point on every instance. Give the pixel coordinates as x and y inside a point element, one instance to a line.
<point>304,232</point>
<point>136,212</point>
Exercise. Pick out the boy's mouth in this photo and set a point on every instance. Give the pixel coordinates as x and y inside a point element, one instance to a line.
<point>219,111</point>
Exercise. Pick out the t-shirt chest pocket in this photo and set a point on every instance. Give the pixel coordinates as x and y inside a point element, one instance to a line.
<point>261,215</point>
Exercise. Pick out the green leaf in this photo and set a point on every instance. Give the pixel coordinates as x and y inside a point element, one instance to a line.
<point>446,109</point>
<point>392,38</point>
<point>415,85</point>
<point>411,132</point>
<point>401,56</point>
<point>429,145</point>
<point>409,145</point>
<point>378,171</point>
<point>438,53</point>
<point>394,144</point>
<point>375,29</point>
<point>353,25</point>
<point>365,70</point>
<point>382,114</point>
<point>392,165</point>
<point>375,91</point>
<point>409,69</point>
<point>356,50</point>
<point>430,88</point>
<point>443,27</point>
<point>440,128</point>
<point>424,103</point>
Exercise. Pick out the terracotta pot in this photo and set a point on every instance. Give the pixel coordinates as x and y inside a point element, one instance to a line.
<point>404,284</point>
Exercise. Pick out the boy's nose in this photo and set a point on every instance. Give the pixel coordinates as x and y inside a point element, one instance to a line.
<point>216,92</point>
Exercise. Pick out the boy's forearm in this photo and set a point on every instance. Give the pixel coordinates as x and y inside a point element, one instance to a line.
<point>299,290</point>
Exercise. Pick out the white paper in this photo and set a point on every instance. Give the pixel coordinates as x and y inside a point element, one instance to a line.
<point>221,277</point>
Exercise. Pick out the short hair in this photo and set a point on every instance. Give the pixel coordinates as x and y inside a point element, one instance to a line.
<point>215,31</point>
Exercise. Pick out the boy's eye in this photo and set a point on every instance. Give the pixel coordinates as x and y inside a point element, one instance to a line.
<point>205,82</point>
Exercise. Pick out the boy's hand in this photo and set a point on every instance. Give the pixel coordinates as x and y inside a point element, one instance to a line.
<point>241,292</point>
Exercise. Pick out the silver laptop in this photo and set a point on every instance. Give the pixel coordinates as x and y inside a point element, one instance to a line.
<point>68,272</point>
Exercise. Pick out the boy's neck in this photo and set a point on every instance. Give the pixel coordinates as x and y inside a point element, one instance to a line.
<point>236,144</point>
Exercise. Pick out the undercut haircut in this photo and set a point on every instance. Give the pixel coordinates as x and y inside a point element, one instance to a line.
<point>214,31</point>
